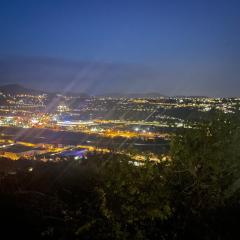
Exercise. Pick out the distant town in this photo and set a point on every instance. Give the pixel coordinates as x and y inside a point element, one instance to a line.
<point>52,126</point>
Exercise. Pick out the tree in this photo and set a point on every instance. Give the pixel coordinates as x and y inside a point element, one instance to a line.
<point>131,201</point>
<point>204,174</point>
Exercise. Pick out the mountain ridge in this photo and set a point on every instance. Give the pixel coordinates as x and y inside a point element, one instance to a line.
<point>20,89</point>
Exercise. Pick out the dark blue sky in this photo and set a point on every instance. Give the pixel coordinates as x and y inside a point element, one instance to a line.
<point>174,47</point>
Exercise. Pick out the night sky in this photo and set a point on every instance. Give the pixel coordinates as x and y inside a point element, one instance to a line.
<point>97,46</point>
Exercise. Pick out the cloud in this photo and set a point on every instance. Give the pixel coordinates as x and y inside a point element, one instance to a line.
<point>173,78</point>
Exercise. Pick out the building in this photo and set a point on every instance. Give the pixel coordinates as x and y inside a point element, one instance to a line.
<point>17,151</point>
<point>75,153</point>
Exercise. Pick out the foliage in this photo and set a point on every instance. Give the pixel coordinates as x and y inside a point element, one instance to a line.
<point>205,171</point>
<point>195,195</point>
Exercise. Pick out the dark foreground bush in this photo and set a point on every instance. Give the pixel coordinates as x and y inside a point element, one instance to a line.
<point>195,195</point>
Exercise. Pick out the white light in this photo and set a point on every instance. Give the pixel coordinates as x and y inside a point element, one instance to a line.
<point>34,120</point>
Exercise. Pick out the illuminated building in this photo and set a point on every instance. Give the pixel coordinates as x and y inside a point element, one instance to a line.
<point>17,151</point>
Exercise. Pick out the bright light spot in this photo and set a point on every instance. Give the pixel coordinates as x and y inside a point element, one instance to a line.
<point>34,120</point>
